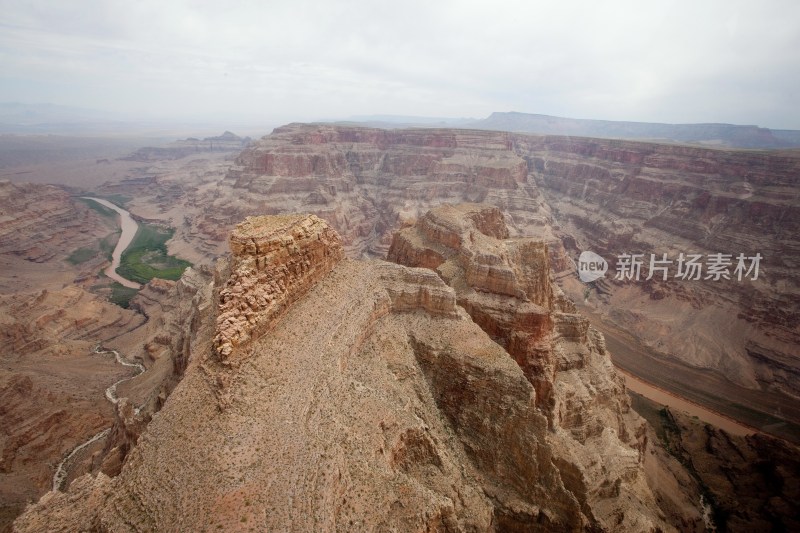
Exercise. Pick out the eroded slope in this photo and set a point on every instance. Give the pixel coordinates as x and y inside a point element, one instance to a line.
<point>372,401</point>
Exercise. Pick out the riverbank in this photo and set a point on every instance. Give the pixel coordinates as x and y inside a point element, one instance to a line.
<point>698,392</point>
<point>129,229</point>
<point>63,469</point>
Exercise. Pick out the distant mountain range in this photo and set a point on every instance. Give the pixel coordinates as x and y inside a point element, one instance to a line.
<point>730,135</point>
<point>21,118</point>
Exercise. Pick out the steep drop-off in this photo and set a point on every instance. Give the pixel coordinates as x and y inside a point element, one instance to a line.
<point>576,194</point>
<point>615,197</point>
<point>506,287</point>
<point>368,398</point>
<point>51,385</point>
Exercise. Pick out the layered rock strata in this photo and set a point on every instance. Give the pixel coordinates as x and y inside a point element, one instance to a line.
<point>41,227</point>
<point>275,260</point>
<point>617,197</point>
<point>373,402</point>
<point>366,182</point>
<point>577,194</point>
<point>506,287</point>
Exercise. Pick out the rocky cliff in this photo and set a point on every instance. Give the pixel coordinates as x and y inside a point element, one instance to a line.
<point>505,285</point>
<point>367,182</point>
<point>616,197</point>
<point>374,400</point>
<point>275,260</point>
<point>576,194</point>
<point>570,194</point>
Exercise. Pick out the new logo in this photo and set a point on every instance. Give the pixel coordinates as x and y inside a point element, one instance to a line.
<point>591,267</point>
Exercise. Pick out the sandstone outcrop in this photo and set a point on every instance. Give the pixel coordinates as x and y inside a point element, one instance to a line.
<point>275,260</point>
<point>576,194</point>
<point>506,287</point>
<point>375,402</point>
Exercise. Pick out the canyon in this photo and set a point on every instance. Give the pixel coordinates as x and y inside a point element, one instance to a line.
<point>488,301</point>
<point>576,194</point>
<point>361,394</point>
<point>52,385</point>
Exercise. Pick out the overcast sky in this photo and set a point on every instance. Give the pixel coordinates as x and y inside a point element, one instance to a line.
<point>281,61</point>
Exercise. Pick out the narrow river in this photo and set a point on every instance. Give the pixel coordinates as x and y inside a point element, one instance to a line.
<point>674,401</point>
<point>667,383</point>
<point>624,350</point>
<point>62,470</point>
<point>129,228</point>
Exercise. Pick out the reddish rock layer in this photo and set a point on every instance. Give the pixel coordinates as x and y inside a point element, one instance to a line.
<point>505,285</point>
<point>608,196</point>
<point>374,403</point>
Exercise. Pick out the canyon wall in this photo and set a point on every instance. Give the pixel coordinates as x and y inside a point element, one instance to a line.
<point>51,384</point>
<point>575,194</point>
<point>506,287</point>
<point>557,197</point>
<point>616,197</point>
<point>367,182</point>
<point>377,402</point>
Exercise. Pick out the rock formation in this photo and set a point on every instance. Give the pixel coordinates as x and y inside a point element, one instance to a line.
<point>576,194</point>
<point>373,401</point>
<point>264,383</point>
<point>275,260</point>
<point>175,312</point>
<point>366,182</point>
<point>505,285</point>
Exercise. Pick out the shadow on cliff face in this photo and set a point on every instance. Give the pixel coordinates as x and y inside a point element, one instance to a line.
<point>751,483</point>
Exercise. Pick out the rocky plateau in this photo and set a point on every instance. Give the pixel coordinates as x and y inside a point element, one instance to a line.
<point>609,196</point>
<point>297,381</point>
<point>362,394</point>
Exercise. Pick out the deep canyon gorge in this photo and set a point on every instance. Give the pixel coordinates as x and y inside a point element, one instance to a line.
<point>398,337</point>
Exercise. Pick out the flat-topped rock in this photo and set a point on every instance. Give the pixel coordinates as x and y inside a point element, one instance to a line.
<point>274,261</point>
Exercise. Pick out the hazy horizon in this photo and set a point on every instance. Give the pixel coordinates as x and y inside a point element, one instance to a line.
<point>711,62</point>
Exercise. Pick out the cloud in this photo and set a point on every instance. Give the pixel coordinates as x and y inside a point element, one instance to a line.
<point>301,60</point>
